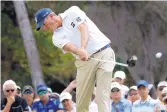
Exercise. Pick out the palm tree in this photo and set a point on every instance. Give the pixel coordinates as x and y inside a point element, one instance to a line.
<point>29,43</point>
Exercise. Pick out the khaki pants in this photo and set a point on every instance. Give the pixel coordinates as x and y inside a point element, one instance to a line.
<point>91,72</point>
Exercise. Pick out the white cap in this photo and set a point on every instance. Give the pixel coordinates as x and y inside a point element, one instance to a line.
<point>65,96</point>
<point>120,74</point>
<point>162,83</point>
<point>133,88</point>
<point>115,85</point>
<point>18,87</point>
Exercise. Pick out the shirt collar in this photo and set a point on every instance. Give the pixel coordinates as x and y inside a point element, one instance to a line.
<point>147,100</point>
<point>62,15</point>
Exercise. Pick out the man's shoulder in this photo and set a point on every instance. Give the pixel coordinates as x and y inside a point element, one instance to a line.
<point>125,101</point>
<point>154,101</point>
<point>72,9</point>
<point>136,102</point>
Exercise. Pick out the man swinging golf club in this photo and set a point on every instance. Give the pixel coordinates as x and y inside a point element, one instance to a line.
<point>74,32</point>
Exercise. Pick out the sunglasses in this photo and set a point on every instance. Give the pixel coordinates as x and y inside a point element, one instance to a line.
<point>115,90</point>
<point>133,94</point>
<point>42,92</point>
<point>12,90</point>
<point>160,89</point>
<point>28,92</point>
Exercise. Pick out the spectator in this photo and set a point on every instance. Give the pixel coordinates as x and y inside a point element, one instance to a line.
<point>133,94</point>
<point>54,95</point>
<point>12,102</point>
<point>66,99</point>
<point>118,103</point>
<point>146,103</point>
<point>164,97</point>
<point>28,95</point>
<point>119,76</point>
<point>45,103</point>
<point>50,90</point>
<point>160,87</point>
<point>18,91</point>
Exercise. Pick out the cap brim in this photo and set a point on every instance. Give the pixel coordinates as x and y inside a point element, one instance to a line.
<point>39,25</point>
<point>141,85</point>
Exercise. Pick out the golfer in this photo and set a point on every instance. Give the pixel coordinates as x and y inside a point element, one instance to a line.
<point>74,32</point>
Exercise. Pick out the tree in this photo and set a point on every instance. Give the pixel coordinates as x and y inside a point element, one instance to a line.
<point>29,43</point>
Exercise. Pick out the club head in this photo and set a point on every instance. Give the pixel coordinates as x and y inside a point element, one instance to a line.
<point>132,61</point>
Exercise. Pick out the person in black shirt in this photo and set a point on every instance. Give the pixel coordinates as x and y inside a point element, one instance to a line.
<point>12,102</point>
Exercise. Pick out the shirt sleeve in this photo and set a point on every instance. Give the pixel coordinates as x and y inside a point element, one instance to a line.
<point>128,107</point>
<point>3,103</point>
<point>24,105</point>
<point>59,39</point>
<point>34,106</point>
<point>77,16</point>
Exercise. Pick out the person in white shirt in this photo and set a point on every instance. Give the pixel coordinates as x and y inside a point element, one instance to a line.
<point>145,103</point>
<point>164,96</point>
<point>120,76</point>
<point>66,99</point>
<point>133,94</point>
<point>161,85</point>
<point>74,32</point>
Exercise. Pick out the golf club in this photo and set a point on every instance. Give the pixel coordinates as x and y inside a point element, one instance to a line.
<point>131,62</point>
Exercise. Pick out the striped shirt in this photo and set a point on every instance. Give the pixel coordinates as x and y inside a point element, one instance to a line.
<point>145,106</point>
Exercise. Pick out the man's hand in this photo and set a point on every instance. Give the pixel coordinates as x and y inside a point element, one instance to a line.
<point>10,100</point>
<point>83,54</point>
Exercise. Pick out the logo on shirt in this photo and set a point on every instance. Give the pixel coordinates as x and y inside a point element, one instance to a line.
<point>72,24</point>
<point>78,19</point>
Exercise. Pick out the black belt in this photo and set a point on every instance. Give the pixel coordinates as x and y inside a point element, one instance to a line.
<point>106,46</point>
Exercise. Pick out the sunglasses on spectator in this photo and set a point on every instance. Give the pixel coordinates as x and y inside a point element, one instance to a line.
<point>160,89</point>
<point>42,92</point>
<point>28,92</point>
<point>132,94</point>
<point>12,90</point>
<point>115,90</point>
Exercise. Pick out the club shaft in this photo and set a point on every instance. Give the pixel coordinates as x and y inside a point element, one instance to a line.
<point>117,63</point>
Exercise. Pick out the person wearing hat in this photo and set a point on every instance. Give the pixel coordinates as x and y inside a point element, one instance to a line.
<point>28,95</point>
<point>12,102</point>
<point>120,76</point>
<point>45,103</point>
<point>118,103</point>
<point>66,99</point>
<point>133,94</point>
<point>74,32</point>
<point>145,103</point>
<point>18,91</point>
<point>164,96</point>
<point>160,87</point>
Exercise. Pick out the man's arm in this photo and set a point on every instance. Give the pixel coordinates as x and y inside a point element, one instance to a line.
<point>71,86</point>
<point>10,101</point>
<point>7,108</point>
<point>84,35</point>
<point>74,49</point>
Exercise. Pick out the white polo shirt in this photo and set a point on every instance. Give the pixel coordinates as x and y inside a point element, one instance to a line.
<point>145,106</point>
<point>69,32</point>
